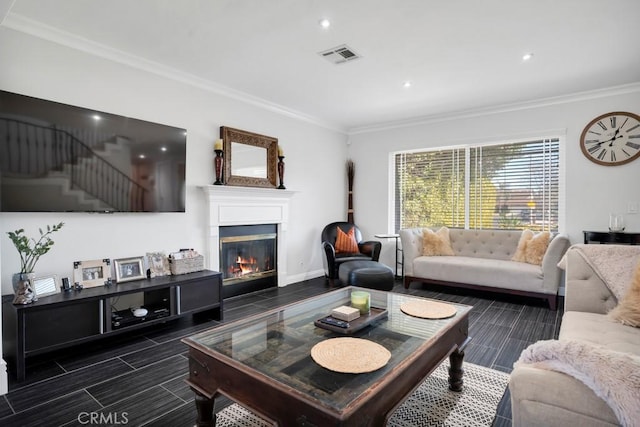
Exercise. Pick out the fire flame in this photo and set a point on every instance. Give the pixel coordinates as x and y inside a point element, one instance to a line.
<point>244,266</point>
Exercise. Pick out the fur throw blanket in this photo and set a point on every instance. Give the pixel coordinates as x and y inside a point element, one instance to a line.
<point>613,264</point>
<point>613,376</point>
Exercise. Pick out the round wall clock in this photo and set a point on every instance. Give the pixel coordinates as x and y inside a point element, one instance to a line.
<point>612,139</point>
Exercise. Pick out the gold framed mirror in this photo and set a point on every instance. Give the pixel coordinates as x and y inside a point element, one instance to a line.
<point>249,158</point>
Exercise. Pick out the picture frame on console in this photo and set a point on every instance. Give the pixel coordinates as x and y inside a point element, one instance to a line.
<point>128,269</point>
<point>92,273</point>
<point>158,263</point>
<point>46,285</point>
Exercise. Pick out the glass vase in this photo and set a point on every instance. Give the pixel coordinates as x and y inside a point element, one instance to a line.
<point>616,222</point>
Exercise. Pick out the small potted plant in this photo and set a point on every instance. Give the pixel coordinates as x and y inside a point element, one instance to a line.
<point>30,251</point>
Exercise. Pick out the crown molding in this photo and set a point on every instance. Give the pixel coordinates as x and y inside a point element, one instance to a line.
<point>46,32</point>
<point>38,29</point>
<point>498,109</point>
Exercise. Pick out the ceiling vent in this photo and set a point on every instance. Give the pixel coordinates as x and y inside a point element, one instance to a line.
<point>340,54</point>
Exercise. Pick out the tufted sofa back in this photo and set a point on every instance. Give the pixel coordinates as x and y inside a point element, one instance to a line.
<point>496,244</point>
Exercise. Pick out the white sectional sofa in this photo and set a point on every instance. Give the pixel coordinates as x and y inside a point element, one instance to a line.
<point>482,260</point>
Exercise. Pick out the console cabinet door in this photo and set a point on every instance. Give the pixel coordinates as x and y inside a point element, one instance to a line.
<point>199,295</point>
<point>62,324</point>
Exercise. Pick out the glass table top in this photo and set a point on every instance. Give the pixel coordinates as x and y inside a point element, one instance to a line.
<point>277,343</point>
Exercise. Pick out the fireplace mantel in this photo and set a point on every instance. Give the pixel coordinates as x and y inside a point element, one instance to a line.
<point>228,205</point>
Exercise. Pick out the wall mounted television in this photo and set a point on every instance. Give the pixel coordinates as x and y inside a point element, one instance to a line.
<point>61,158</point>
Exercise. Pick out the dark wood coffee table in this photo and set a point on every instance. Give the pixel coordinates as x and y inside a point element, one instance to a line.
<point>263,362</point>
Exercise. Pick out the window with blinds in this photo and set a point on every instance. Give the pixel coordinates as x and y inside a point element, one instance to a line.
<point>506,186</point>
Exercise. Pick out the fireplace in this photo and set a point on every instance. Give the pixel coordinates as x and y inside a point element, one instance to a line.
<point>248,258</point>
<point>247,206</point>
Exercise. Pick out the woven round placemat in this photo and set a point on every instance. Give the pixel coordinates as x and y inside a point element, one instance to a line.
<point>350,355</point>
<point>428,309</point>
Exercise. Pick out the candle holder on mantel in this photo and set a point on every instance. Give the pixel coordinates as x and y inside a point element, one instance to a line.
<point>218,165</point>
<point>281,172</point>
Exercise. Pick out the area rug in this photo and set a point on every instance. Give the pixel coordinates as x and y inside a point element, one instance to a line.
<point>431,404</point>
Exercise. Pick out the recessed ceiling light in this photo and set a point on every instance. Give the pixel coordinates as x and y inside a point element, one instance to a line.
<point>96,117</point>
<point>142,156</point>
<point>406,84</point>
<point>163,148</point>
<point>325,23</point>
<point>527,56</point>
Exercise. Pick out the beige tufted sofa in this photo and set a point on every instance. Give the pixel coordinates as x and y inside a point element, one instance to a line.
<point>542,397</point>
<point>483,261</point>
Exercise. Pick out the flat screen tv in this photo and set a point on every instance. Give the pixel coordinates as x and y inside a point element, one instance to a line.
<point>60,158</point>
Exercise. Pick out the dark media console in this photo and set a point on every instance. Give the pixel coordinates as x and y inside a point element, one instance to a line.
<point>74,317</point>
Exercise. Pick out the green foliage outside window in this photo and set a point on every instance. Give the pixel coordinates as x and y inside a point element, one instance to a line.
<point>511,186</point>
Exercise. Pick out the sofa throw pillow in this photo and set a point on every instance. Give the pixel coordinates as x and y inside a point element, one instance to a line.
<point>436,243</point>
<point>522,245</point>
<point>627,311</point>
<point>532,247</point>
<point>346,242</point>
<point>536,248</point>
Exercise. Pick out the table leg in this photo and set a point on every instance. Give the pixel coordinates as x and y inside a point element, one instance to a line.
<point>204,406</point>
<point>456,371</point>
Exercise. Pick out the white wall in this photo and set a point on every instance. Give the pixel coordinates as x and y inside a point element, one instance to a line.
<point>315,158</point>
<point>591,191</point>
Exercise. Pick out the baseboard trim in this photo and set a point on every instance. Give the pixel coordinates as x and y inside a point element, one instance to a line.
<point>4,378</point>
<point>295,278</point>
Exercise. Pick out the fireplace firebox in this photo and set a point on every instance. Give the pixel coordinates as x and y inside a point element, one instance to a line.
<point>248,258</point>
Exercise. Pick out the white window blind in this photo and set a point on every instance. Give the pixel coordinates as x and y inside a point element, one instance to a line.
<point>508,186</point>
<point>430,188</point>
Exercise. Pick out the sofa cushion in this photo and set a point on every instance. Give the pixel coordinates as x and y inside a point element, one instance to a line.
<point>436,243</point>
<point>598,329</point>
<point>481,271</point>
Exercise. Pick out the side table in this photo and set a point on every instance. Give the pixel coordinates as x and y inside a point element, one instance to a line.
<point>611,237</point>
<point>400,259</point>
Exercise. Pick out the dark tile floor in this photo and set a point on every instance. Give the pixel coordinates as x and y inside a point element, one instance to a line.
<point>141,374</point>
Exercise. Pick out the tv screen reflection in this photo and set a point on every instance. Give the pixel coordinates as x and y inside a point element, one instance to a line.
<point>61,158</point>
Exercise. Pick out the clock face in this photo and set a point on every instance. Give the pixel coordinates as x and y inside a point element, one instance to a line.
<point>612,139</point>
